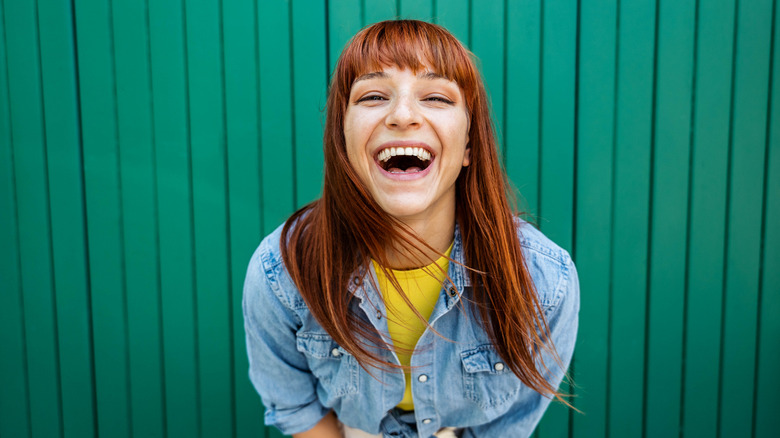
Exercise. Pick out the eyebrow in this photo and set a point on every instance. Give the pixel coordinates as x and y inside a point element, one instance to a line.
<point>382,75</point>
<point>374,75</point>
<point>432,76</point>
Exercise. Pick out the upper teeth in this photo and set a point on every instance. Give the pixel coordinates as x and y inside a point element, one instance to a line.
<point>416,152</point>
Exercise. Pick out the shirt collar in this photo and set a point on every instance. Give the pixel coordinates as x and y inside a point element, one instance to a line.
<point>363,280</point>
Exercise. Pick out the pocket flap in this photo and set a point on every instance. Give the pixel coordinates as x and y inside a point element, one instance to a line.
<point>319,346</point>
<point>482,359</point>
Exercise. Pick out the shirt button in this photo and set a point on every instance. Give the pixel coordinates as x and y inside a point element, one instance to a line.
<point>427,421</point>
<point>335,352</point>
<point>357,281</point>
<point>498,367</point>
<point>423,378</point>
<point>451,290</point>
<point>378,315</point>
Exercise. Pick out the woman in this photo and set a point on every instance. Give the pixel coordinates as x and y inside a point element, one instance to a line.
<point>409,301</point>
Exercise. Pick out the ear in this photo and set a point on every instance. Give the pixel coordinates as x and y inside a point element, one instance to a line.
<point>467,157</point>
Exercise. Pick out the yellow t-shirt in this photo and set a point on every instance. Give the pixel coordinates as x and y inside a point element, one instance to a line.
<point>422,286</point>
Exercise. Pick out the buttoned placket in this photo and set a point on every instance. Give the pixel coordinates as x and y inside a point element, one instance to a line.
<point>423,362</point>
<point>373,306</point>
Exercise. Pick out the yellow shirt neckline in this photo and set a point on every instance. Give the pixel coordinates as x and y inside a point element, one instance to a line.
<point>422,286</point>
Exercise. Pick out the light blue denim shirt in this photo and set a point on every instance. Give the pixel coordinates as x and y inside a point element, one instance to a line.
<point>301,373</point>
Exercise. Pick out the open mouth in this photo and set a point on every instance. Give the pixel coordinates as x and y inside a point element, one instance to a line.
<point>404,159</point>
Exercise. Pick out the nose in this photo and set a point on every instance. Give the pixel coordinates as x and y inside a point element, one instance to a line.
<point>403,113</point>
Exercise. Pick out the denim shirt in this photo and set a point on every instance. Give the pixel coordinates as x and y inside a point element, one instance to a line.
<point>301,373</point>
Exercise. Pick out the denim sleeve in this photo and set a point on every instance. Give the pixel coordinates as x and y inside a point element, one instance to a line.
<point>522,418</point>
<point>279,372</point>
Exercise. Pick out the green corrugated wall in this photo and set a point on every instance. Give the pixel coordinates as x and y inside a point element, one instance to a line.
<point>146,146</point>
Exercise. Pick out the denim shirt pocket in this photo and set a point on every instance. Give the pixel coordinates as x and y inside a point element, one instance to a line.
<point>335,369</point>
<point>487,381</point>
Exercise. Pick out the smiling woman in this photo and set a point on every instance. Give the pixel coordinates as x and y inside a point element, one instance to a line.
<point>409,300</point>
<point>406,136</point>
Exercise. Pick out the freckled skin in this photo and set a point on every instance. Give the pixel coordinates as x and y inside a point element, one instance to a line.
<point>399,105</point>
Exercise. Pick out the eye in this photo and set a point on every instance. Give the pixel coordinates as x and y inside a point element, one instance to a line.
<point>438,99</point>
<point>371,98</point>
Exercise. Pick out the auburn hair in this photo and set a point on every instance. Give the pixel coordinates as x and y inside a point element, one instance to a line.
<point>326,242</point>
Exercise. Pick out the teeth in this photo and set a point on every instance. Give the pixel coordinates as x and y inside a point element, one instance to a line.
<point>409,151</point>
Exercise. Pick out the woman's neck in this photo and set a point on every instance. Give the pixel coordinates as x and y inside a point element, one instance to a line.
<point>437,234</point>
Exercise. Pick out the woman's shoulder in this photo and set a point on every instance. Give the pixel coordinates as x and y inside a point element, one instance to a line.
<point>267,267</point>
<point>269,253</point>
<point>550,266</point>
<point>533,240</point>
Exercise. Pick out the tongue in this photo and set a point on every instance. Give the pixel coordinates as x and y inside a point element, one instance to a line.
<point>408,170</point>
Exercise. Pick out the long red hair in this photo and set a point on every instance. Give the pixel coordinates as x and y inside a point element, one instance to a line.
<point>327,241</point>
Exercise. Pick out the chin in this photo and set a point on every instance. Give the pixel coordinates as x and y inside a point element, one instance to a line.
<point>403,213</point>
<point>404,209</point>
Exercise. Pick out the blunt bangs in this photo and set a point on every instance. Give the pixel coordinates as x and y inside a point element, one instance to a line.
<point>407,44</point>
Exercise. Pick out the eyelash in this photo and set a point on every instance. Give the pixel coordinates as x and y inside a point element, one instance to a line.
<point>374,97</point>
<point>370,98</point>
<point>440,99</point>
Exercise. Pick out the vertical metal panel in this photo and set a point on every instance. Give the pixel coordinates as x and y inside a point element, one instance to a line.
<point>210,208</point>
<point>277,156</point>
<point>345,18</point>
<point>766,420</point>
<point>556,170</point>
<point>14,398</point>
<point>745,198</point>
<point>243,161</point>
<point>454,15</point>
<point>523,94</point>
<point>488,42</point>
<point>104,216</point>
<point>139,224</point>
<point>174,209</point>
<point>416,9</point>
<point>379,10</point>
<point>668,227</point>
<point>632,161</point>
<point>593,231</point>
<point>707,217</point>
<point>61,108</point>
<point>33,213</point>
<point>309,86</point>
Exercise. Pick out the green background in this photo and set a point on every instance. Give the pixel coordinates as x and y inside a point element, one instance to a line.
<point>146,146</point>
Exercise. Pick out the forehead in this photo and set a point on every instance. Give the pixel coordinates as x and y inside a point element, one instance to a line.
<point>386,72</point>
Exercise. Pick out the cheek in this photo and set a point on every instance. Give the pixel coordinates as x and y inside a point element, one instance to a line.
<point>456,124</point>
<point>465,125</point>
<point>356,132</point>
<point>356,140</point>
<point>350,137</point>
<point>458,132</point>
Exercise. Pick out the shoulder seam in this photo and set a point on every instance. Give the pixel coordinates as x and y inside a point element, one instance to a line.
<point>270,264</point>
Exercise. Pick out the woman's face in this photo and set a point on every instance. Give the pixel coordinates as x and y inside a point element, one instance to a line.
<point>406,137</point>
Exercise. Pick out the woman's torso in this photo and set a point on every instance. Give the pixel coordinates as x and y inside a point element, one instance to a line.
<point>458,378</point>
